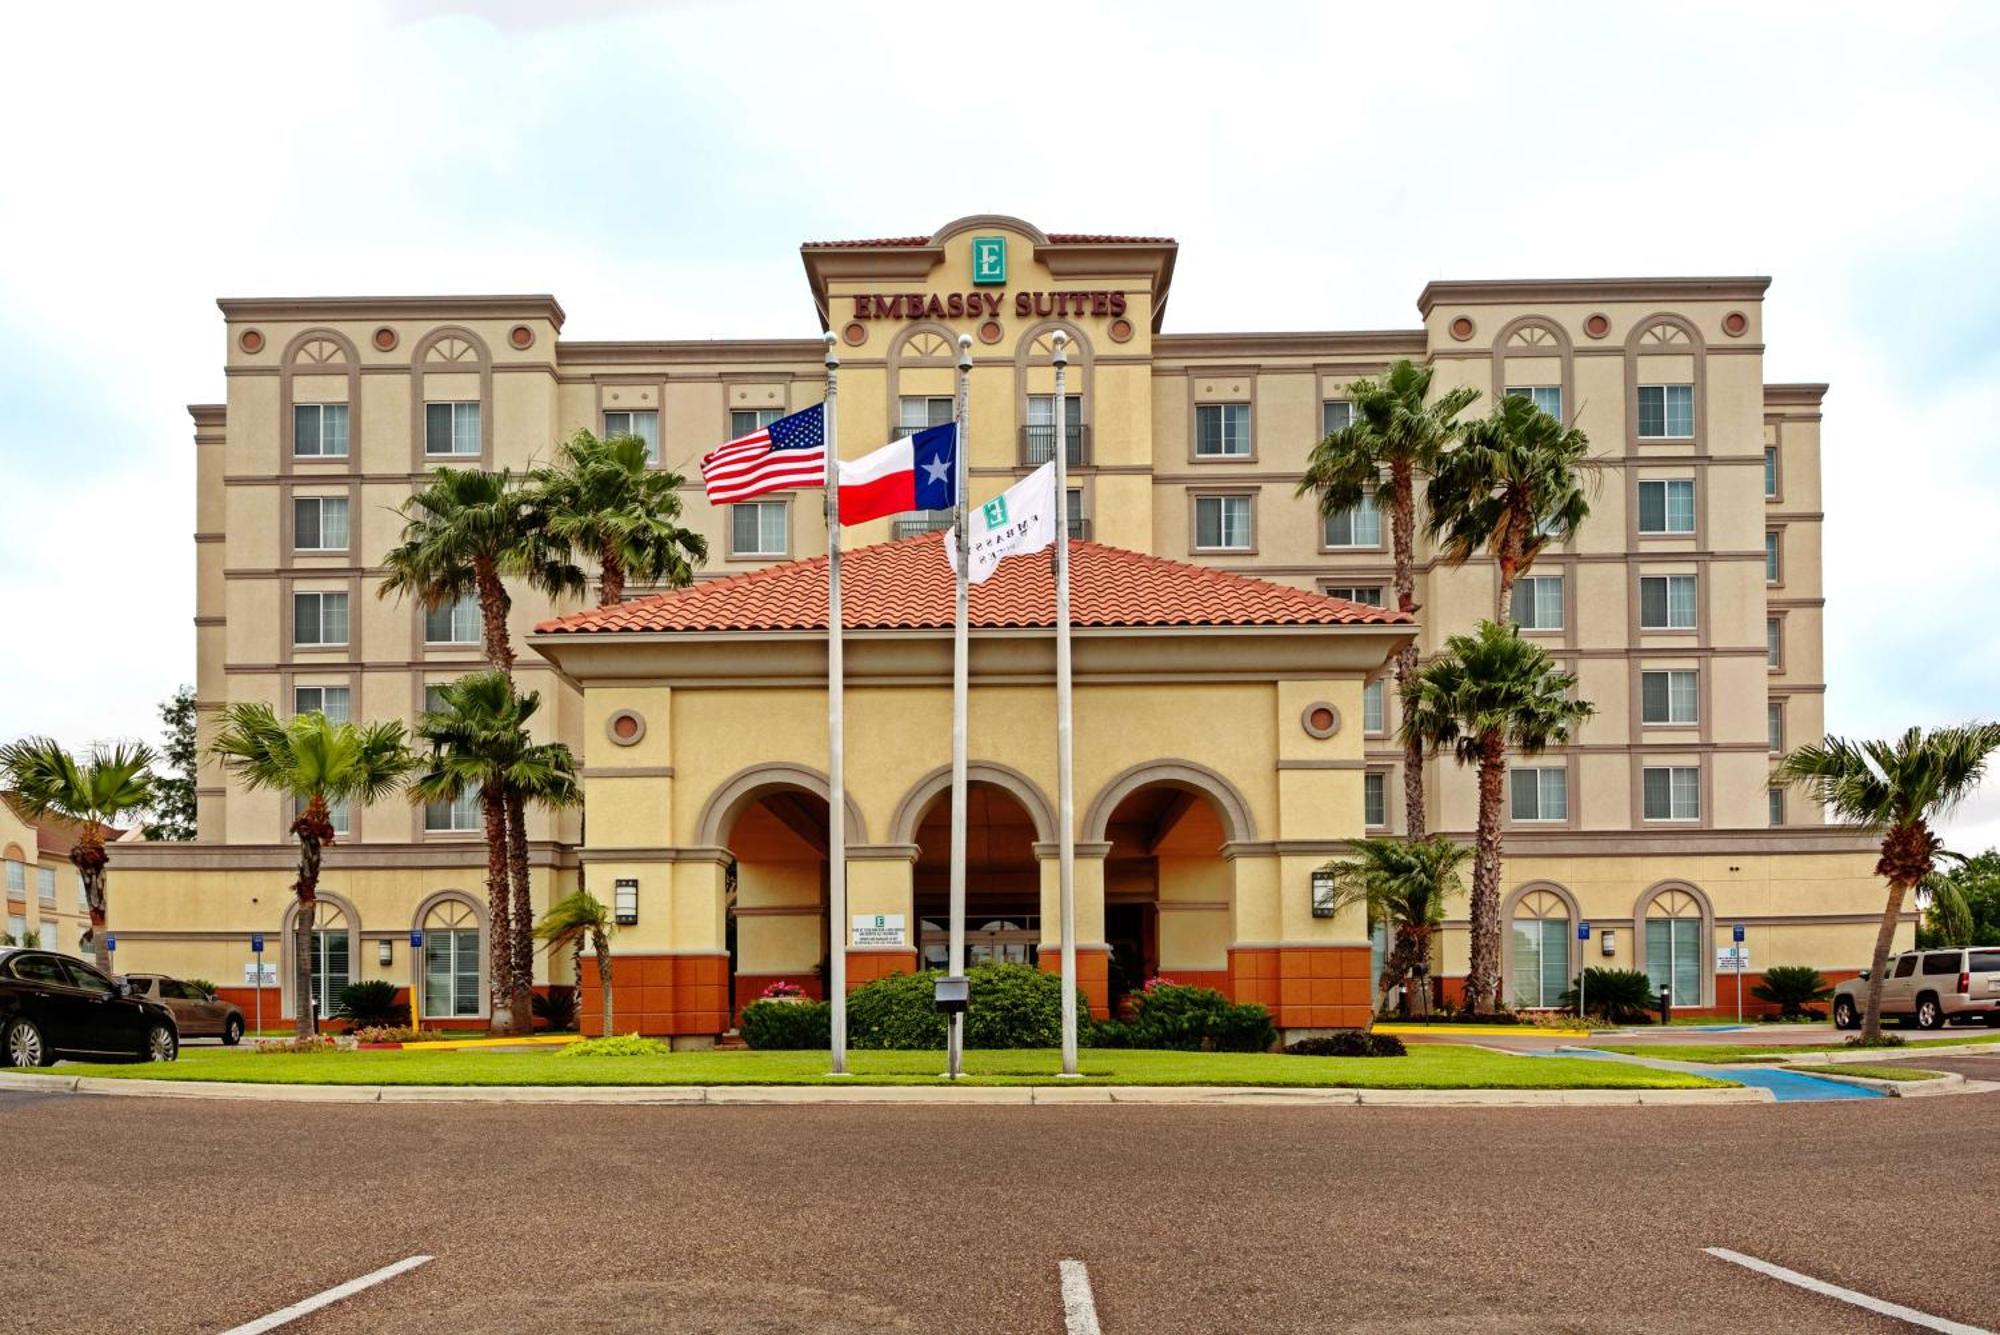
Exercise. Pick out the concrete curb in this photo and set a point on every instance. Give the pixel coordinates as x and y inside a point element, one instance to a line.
<point>1876,1056</point>
<point>983,1095</point>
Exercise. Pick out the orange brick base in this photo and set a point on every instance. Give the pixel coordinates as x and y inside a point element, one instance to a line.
<point>1304,987</point>
<point>865,966</point>
<point>1093,974</point>
<point>276,1015</point>
<point>661,995</point>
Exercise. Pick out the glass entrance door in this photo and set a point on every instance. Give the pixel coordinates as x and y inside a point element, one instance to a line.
<point>987,940</point>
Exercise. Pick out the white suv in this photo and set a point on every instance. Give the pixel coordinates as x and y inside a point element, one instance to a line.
<point>1929,987</point>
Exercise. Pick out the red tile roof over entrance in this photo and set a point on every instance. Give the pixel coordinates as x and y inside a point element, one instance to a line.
<point>1056,238</point>
<point>908,585</point>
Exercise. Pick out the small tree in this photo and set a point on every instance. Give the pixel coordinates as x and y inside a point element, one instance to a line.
<point>173,813</point>
<point>568,922</point>
<point>1405,884</point>
<point>112,782</point>
<point>314,763</point>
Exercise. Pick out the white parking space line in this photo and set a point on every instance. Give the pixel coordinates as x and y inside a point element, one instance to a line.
<point>1079,1306</point>
<point>333,1295</point>
<point>1877,1305</point>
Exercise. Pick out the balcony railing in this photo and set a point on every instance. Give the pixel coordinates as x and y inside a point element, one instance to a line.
<point>930,521</point>
<point>1079,527</point>
<point>1038,444</point>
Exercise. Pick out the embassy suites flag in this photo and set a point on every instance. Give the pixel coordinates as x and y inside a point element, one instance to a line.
<point>917,472</point>
<point>1020,519</point>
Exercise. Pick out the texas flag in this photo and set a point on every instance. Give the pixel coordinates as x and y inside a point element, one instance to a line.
<point>915,473</point>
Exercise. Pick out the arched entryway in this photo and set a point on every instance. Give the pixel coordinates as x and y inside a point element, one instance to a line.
<point>453,981</point>
<point>1003,895</point>
<point>776,889</point>
<point>1168,890</point>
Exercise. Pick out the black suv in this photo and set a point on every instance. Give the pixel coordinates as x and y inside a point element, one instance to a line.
<point>53,1005</point>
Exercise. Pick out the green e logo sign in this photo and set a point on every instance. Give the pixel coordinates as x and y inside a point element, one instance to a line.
<point>995,511</point>
<point>989,259</point>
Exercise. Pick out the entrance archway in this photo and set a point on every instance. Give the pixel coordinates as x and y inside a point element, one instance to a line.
<point>1167,888</point>
<point>777,929</point>
<point>1003,878</point>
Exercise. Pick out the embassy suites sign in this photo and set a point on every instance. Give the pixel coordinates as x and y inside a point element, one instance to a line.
<point>984,305</point>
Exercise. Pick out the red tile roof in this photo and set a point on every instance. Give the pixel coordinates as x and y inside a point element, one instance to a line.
<point>866,241</point>
<point>1104,238</point>
<point>908,585</point>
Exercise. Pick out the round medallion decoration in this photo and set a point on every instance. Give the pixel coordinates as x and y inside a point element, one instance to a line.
<point>1320,720</point>
<point>625,728</point>
<point>385,339</point>
<point>1121,330</point>
<point>989,332</point>
<point>521,336</point>
<point>1597,325</point>
<point>1734,323</point>
<point>1461,328</point>
<point>250,340</point>
<point>855,334</point>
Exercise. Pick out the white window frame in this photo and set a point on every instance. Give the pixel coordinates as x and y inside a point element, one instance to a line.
<point>319,619</point>
<point>1249,536</point>
<point>1774,806</point>
<point>1328,409</point>
<point>317,703</point>
<point>461,410</point>
<point>1542,396</point>
<point>921,412</point>
<point>762,507</point>
<point>1378,818</point>
<point>1226,414</point>
<point>1532,586</point>
<point>1693,603</point>
<point>464,816</point>
<point>1683,689</point>
<point>1772,463</point>
<point>1376,593</point>
<point>462,621</point>
<point>744,421</point>
<point>1774,556</point>
<point>1774,726</point>
<point>1774,644</point>
<point>1551,790</point>
<point>318,412</point>
<point>1668,486</point>
<point>1668,403</point>
<point>635,420</point>
<point>1363,521</point>
<point>45,884</point>
<point>1375,707</point>
<point>300,504</point>
<point>1683,782</point>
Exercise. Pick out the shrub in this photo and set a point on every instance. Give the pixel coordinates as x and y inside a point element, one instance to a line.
<point>895,1012</point>
<point>1792,988</point>
<point>618,1045</point>
<point>1008,1006</point>
<point>1189,1019</point>
<point>369,1003</point>
<point>1621,996</point>
<point>1242,1026</point>
<point>310,1043</point>
<point>1348,1043</point>
<point>390,1033</point>
<point>794,1026</point>
<point>1886,1041</point>
<point>1107,1034</point>
<point>557,1010</point>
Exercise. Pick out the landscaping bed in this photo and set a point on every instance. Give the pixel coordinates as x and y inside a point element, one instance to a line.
<point>1431,1066</point>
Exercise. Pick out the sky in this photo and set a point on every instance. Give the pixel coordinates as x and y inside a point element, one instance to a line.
<point>656,166</point>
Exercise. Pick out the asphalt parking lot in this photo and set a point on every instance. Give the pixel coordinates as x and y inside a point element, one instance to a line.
<point>190,1215</point>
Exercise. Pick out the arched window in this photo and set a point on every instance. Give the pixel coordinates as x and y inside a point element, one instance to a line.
<point>1541,935</point>
<point>332,957</point>
<point>451,960</point>
<point>1676,956</point>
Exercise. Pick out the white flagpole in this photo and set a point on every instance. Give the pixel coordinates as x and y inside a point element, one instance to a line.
<point>836,763</point>
<point>1065,788</point>
<point>960,652</point>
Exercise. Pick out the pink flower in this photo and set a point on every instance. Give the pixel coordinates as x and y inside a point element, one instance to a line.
<point>1158,980</point>
<point>784,989</point>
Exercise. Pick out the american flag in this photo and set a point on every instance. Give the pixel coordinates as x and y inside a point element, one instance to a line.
<point>791,452</point>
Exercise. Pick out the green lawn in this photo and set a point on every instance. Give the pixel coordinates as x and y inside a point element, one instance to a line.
<point>1721,1053</point>
<point>1428,1066</point>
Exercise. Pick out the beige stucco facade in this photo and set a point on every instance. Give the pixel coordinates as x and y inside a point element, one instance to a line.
<point>1664,375</point>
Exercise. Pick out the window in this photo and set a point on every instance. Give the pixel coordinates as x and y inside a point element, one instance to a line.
<point>1540,793</point>
<point>743,421</point>
<point>319,523</point>
<point>1674,954</point>
<point>49,932</point>
<point>1775,800</point>
<point>1041,438</point>
<point>17,928</point>
<point>1772,569</point>
<point>460,816</point>
<point>1335,415</point>
<point>1222,430</point>
<point>1666,602</point>
<point>760,528</point>
<point>641,422</point>
<point>1074,518</point>
<point>1906,965</point>
<point>1222,523</point>
<point>17,880</point>
<point>1666,412</point>
<point>35,969</point>
<point>331,701</point>
<point>45,884</point>
<point>451,428</point>
<point>1538,602</point>
<point>1941,963</point>
<point>1668,697</point>
<point>917,412</point>
<point>1549,398</point>
<point>1774,644</point>
<point>434,701</point>
<point>1671,792</point>
<point>1358,526</point>
<point>1374,799</point>
<point>1667,506</point>
<point>451,960</point>
<point>82,895</point>
<point>454,623</point>
<point>319,431</point>
<point>336,814</point>
<point>1539,969</point>
<point>86,979</point>
<point>332,960</point>
<point>1774,725</point>
<point>1770,472</point>
<point>1369,594</point>
<point>319,619</point>
<point>1374,713</point>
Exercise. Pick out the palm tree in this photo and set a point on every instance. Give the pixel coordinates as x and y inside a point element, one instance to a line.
<point>1395,425</point>
<point>461,534</point>
<point>1405,884</point>
<point>316,764</point>
<point>543,773</point>
<point>568,921</point>
<point>1899,787</point>
<point>1485,694</point>
<point>112,781</point>
<point>604,502</point>
<point>1512,486</point>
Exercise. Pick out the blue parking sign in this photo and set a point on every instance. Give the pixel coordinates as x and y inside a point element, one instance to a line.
<point>416,940</point>
<point>1736,932</point>
<point>1583,931</point>
<point>110,942</point>
<point>257,943</point>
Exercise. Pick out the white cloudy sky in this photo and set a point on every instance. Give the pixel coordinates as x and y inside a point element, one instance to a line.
<point>657,166</point>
